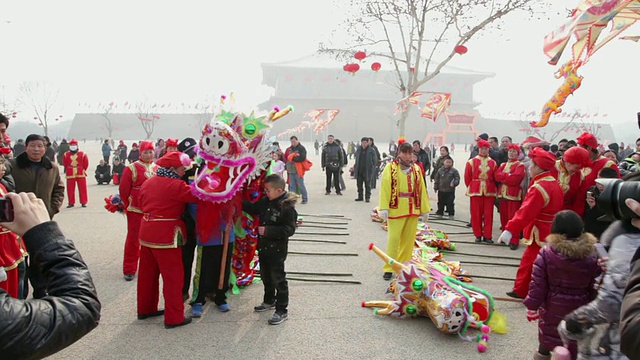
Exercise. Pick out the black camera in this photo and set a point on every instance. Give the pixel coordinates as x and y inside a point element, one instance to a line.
<point>612,199</point>
<point>6,210</point>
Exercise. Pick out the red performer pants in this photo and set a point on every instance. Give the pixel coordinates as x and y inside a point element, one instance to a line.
<point>168,263</point>
<point>132,244</point>
<point>115,178</point>
<point>508,210</point>
<point>523,277</point>
<point>82,189</point>
<point>482,216</point>
<point>12,284</point>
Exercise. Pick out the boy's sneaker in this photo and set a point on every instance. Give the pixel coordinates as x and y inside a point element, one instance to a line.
<point>264,307</point>
<point>278,318</point>
<point>224,307</point>
<point>196,310</point>
<point>451,217</point>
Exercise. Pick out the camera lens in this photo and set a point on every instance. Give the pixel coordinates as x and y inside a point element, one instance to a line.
<point>612,199</point>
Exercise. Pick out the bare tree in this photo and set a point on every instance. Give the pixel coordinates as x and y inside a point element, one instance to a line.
<point>148,116</point>
<point>415,32</point>
<point>205,115</point>
<point>41,98</point>
<point>105,114</point>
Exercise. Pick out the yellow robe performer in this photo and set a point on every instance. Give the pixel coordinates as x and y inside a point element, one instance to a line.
<point>404,195</point>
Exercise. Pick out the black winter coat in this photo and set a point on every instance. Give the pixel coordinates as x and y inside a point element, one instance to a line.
<point>34,329</point>
<point>369,164</point>
<point>278,216</point>
<point>332,156</point>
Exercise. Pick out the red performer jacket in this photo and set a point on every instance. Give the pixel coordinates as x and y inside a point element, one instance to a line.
<point>510,176</point>
<point>540,205</point>
<point>162,201</point>
<point>573,188</point>
<point>478,176</point>
<point>75,165</point>
<point>591,173</point>
<point>11,247</point>
<point>133,176</point>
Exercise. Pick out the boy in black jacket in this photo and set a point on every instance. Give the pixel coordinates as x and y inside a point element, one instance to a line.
<point>278,218</point>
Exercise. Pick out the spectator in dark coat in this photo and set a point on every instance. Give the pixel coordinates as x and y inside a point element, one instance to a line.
<point>134,154</point>
<point>562,279</point>
<point>122,151</point>
<point>376,169</point>
<point>474,149</point>
<point>364,168</point>
<point>423,156</point>
<point>49,153</point>
<point>35,329</point>
<point>103,173</point>
<point>444,153</point>
<point>62,148</point>
<point>18,148</point>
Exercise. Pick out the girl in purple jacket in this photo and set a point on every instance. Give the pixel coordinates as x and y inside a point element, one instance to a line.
<point>562,280</point>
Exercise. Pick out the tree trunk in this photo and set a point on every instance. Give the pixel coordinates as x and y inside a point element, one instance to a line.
<point>403,120</point>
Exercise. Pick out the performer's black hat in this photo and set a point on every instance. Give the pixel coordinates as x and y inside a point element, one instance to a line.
<point>188,146</point>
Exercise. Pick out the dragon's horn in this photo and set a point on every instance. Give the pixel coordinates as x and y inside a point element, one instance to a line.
<point>276,113</point>
<point>395,265</point>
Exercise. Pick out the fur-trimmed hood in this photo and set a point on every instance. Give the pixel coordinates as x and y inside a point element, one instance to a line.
<point>573,248</point>
<point>289,199</point>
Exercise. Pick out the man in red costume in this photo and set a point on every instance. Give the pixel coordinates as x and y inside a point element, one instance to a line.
<point>75,164</point>
<point>171,145</point>
<point>570,178</point>
<point>11,255</point>
<point>598,162</point>
<point>481,188</point>
<point>540,205</point>
<point>510,175</point>
<point>162,200</point>
<point>133,176</point>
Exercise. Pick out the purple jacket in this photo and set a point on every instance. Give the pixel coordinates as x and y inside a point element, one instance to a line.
<point>562,281</point>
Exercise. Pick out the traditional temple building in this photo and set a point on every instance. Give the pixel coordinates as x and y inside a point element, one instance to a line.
<point>367,103</point>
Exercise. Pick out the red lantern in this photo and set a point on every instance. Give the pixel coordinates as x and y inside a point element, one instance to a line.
<point>35,118</point>
<point>56,119</point>
<point>360,55</point>
<point>376,66</point>
<point>346,67</point>
<point>460,49</point>
<point>352,68</point>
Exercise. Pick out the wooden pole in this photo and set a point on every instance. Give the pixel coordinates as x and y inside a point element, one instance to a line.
<point>316,273</point>
<point>485,277</point>
<point>328,234</point>
<point>480,255</point>
<point>225,250</point>
<point>324,223</point>
<point>339,281</point>
<point>324,227</point>
<point>485,263</point>
<point>475,243</point>
<point>507,299</point>
<point>319,241</point>
<point>318,253</point>
<point>445,224</point>
<point>337,217</point>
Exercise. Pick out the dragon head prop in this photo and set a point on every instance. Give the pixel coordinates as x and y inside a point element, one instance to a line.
<point>235,150</point>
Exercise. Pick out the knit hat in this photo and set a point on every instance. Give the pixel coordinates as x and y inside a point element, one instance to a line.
<point>588,140</point>
<point>577,155</point>
<point>73,142</point>
<point>174,158</point>
<point>171,142</point>
<point>567,223</point>
<point>135,145</point>
<point>483,136</point>
<point>146,145</point>
<point>544,159</point>
<point>483,144</point>
<point>515,147</point>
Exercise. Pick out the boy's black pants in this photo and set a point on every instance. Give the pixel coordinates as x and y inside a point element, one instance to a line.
<point>272,254</point>
<point>446,199</point>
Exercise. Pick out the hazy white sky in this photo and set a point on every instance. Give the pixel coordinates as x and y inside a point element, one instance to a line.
<point>121,50</point>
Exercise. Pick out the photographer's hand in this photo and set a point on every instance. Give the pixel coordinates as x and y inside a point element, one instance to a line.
<point>28,211</point>
<point>635,207</point>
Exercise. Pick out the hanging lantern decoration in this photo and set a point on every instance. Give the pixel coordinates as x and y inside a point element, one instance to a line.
<point>460,49</point>
<point>346,67</point>
<point>35,118</point>
<point>360,55</point>
<point>376,66</point>
<point>351,68</point>
<point>14,115</point>
<point>56,119</point>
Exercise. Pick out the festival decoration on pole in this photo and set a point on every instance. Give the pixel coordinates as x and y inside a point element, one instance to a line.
<point>436,104</point>
<point>587,23</point>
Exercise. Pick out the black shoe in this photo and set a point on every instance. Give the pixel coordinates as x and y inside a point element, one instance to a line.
<point>488,240</point>
<point>70,206</point>
<point>303,202</point>
<point>359,199</point>
<point>129,277</point>
<point>514,246</point>
<point>387,276</point>
<point>438,214</point>
<point>187,320</point>
<point>327,192</point>
<point>478,239</point>
<point>278,318</point>
<point>514,295</point>
<point>468,224</point>
<point>146,316</point>
<point>264,307</point>
<point>367,200</point>
<point>339,193</point>
<point>84,205</point>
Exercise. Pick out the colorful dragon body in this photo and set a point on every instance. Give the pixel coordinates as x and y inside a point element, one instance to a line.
<point>425,287</point>
<point>235,153</point>
<point>425,235</point>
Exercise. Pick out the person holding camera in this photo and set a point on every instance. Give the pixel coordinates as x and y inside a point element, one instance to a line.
<point>592,212</point>
<point>598,162</point>
<point>34,329</point>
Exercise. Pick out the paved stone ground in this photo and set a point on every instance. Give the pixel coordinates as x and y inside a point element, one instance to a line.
<point>326,320</point>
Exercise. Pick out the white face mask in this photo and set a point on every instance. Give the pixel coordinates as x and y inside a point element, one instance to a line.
<point>73,148</point>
